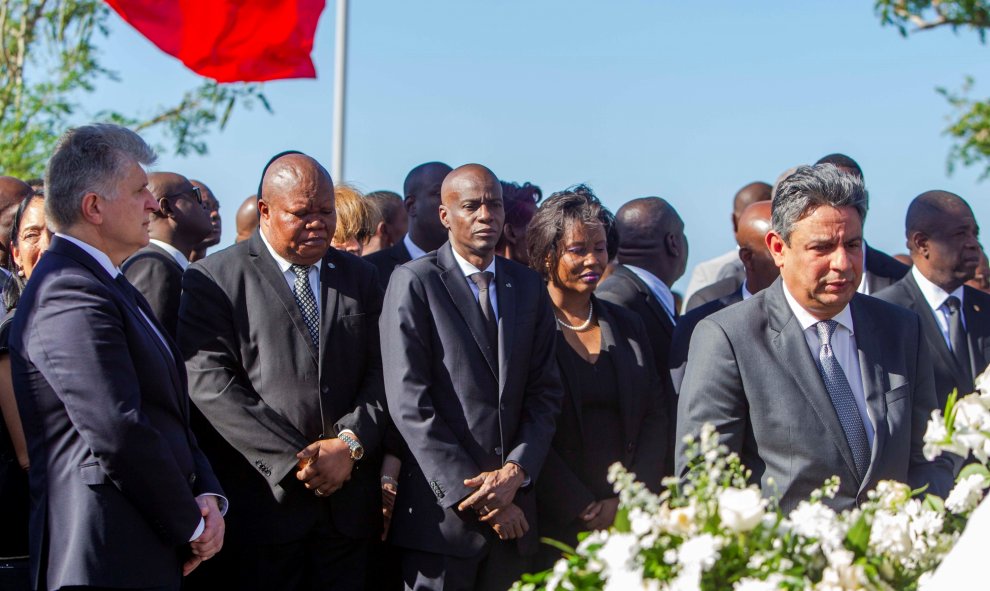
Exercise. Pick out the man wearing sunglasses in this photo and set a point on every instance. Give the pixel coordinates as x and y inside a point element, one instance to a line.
<point>179,225</point>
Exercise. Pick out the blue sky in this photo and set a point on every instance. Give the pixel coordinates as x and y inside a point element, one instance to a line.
<point>686,100</point>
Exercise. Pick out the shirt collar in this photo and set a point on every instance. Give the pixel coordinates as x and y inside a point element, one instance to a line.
<point>658,287</point>
<point>178,256</point>
<point>806,320</point>
<point>746,294</point>
<point>414,251</point>
<point>283,264</point>
<point>101,257</point>
<point>934,295</point>
<point>467,268</point>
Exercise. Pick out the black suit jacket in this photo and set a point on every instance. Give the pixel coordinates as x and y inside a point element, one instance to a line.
<point>685,328</point>
<point>461,406</point>
<point>158,276</point>
<point>388,259</point>
<point>115,467</point>
<point>626,289</point>
<point>561,492</point>
<point>976,311</point>
<point>262,385</point>
<point>882,270</point>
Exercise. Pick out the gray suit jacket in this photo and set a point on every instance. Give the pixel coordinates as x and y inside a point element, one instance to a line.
<point>753,377</point>
<point>679,347</point>
<point>462,407</point>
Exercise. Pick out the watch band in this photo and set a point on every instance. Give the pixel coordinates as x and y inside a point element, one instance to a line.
<point>357,450</point>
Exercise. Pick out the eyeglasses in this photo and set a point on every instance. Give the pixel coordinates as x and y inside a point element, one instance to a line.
<point>196,192</point>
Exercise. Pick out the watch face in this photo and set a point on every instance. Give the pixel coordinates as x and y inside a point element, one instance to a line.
<point>357,453</point>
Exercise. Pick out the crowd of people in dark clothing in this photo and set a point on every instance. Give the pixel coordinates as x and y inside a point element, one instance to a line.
<point>408,390</point>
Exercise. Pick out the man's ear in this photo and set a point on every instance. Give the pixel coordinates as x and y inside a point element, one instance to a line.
<point>672,245</point>
<point>776,245</point>
<point>746,256</point>
<point>165,209</point>
<point>918,242</point>
<point>263,209</point>
<point>443,216</point>
<point>92,208</point>
<point>410,205</point>
<point>509,231</point>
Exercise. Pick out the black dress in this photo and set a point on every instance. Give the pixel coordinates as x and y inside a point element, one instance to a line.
<point>14,501</point>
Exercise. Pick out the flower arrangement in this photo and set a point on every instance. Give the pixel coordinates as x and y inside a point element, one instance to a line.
<point>712,530</point>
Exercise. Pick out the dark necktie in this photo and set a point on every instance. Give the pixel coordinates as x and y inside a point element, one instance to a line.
<point>306,301</point>
<point>842,397</point>
<point>958,340</point>
<point>483,280</point>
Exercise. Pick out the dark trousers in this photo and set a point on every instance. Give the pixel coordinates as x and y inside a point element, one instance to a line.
<point>495,568</point>
<point>324,560</point>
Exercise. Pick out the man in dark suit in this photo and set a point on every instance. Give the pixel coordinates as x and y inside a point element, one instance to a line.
<point>180,223</point>
<point>751,233</point>
<point>426,233</point>
<point>468,351</point>
<point>280,334</point>
<point>212,206</point>
<point>955,318</point>
<point>121,495</point>
<point>810,379</point>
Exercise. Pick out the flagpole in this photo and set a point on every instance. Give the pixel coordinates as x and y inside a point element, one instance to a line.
<point>339,82</point>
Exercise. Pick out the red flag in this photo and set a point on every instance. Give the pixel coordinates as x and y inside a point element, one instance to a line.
<point>231,40</point>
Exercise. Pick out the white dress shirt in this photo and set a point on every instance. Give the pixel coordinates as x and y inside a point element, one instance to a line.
<point>468,269</point>
<point>178,256</point>
<point>936,296</point>
<point>843,348</point>
<point>745,291</point>
<point>863,287</point>
<point>414,251</point>
<point>108,266</point>
<point>290,277</point>
<point>658,288</point>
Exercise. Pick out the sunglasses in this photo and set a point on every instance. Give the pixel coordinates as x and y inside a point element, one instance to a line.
<point>196,192</point>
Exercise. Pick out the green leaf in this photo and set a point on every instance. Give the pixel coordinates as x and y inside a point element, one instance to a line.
<point>858,536</point>
<point>622,523</point>
<point>971,469</point>
<point>934,503</point>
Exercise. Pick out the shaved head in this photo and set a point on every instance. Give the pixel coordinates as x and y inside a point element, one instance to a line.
<point>422,201</point>
<point>751,235</point>
<point>472,211</point>
<point>292,172</point>
<point>424,175</point>
<point>651,236</point>
<point>162,184</point>
<point>298,208</point>
<point>748,195</point>
<point>931,209</point>
<point>466,178</point>
<point>246,219</point>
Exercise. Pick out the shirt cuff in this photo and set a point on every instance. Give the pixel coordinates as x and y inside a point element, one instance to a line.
<point>349,432</point>
<point>199,530</point>
<point>222,502</point>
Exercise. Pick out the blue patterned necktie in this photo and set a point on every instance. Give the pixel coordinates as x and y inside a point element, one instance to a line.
<point>842,397</point>
<point>303,293</point>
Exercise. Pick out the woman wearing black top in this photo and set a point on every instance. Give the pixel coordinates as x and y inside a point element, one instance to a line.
<point>612,409</point>
<point>28,240</point>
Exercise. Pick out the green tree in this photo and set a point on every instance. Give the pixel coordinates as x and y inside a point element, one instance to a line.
<point>970,122</point>
<point>49,60</point>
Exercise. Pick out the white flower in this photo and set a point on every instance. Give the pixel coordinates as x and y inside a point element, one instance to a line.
<point>680,520</point>
<point>640,522</point>
<point>559,570</point>
<point>983,382</point>
<point>699,552</point>
<point>741,509</point>
<point>966,495</point>
<point>841,574</point>
<point>819,522</point>
<point>891,495</point>
<point>890,534</point>
<point>937,438</point>
<point>771,584</point>
<point>619,553</point>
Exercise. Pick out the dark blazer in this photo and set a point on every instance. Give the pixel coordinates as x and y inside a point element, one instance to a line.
<point>626,289</point>
<point>752,375</point>
<point>388,259</point>
<point>115,467</point>
<point>461,407</point>
<point>561,493</point>
<point>882,270</point>
<point>685,328</point>
<point>262,385</point>
<point>158,276</point>
<point>720,289</point>
<point>976,312</point>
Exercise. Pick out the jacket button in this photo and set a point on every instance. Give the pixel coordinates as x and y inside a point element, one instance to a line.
<point>502,406</point>
<point>630,446</point>
<point>192,479</point>
<point>498,451</point>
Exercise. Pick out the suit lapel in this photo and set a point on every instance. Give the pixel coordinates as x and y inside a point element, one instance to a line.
<point>930,328</point>
<point>506,295</point>
<point>279,288</point>
<point>651,300</point>
<point>875,381</point>
<point>329,292</point>
<point>976,318</point>
<point>463,299</point>
<point>622,357</point>
<point>792,348</point>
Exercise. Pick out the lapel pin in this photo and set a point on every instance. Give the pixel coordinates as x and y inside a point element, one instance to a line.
<point>975,307</point>
<point>507,284</point>
<point>331,265</point>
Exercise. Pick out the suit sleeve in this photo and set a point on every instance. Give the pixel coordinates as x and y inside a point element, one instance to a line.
<point>159,284</point>
<point>654,456</point>
<point>407,356</point>
<point>367,420</point>
<point>711,392</point>
<point>564,495</point>
<point>543,395</point>
<point>220,387</point>
<point>98,384</point>
<point>936,474</point>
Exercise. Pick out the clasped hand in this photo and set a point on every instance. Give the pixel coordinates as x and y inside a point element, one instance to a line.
<point>211,540</point>
<point>325,465</point>
<point>496,489</point>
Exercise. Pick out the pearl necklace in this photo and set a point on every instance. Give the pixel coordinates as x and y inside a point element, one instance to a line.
<point>584,325</point>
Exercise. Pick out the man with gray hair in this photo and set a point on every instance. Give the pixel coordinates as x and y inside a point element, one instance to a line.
<point>121,494</point>
<point>808,378</point>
